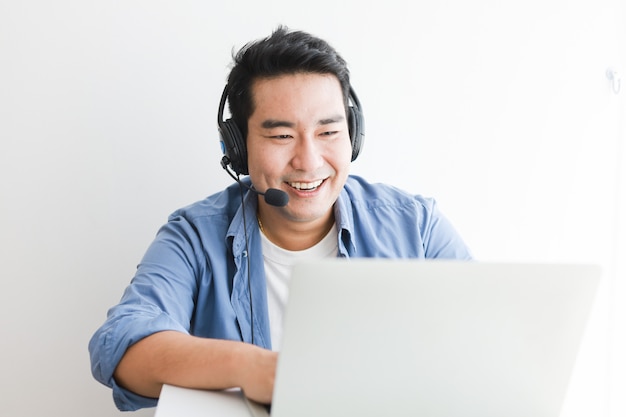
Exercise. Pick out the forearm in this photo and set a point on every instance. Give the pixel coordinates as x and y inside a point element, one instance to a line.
<point>193,362</point>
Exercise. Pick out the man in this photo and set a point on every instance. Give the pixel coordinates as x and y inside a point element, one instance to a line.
<point>204,309</point>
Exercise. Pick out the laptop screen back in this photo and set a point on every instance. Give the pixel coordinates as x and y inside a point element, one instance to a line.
<point>376,337</point>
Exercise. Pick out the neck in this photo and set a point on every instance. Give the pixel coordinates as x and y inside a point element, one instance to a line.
<point>294,235</point>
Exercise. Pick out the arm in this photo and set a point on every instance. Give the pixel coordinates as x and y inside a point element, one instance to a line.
<point>176,358</point>
<point>173,321</point>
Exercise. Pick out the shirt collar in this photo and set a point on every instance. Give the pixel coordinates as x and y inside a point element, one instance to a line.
<point>236,233</point>
<point>345,224</point>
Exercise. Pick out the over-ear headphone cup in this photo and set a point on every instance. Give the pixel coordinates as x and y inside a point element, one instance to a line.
<point>234,147</point>
<point>356,131</point>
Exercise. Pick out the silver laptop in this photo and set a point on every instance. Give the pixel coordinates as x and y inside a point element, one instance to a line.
<point>376,337</point>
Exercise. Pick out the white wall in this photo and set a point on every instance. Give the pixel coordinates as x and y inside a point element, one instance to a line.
<point>501,110</point>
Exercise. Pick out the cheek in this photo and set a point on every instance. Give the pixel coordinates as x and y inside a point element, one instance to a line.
<point>262,161</point>
<point>343,154</point>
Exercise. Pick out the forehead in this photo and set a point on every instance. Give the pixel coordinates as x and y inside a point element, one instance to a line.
<point>299,89</point>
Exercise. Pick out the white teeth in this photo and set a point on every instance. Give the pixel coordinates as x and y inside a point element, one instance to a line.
<point>306,185</point>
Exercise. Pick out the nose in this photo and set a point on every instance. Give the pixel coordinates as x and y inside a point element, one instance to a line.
<point>307,153</point>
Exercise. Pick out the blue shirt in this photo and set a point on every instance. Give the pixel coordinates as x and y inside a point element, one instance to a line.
<point>194,276</point>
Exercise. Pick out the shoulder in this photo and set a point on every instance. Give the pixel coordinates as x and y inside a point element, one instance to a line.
<point>364,194</point>
<point>389,222</point>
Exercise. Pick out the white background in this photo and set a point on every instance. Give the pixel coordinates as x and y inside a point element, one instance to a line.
<point>499,109</point>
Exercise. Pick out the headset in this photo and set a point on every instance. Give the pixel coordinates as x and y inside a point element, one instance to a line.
<point>234,144</point>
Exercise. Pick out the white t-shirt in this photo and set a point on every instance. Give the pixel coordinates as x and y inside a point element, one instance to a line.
<point>278,263</point>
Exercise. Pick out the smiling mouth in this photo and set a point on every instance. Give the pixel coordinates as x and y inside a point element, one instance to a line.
<point>306,186</point>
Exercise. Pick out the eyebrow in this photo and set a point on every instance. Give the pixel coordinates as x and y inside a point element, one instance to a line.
<point>273,123</point>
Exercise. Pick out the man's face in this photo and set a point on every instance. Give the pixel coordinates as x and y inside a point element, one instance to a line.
<point>298,142</point>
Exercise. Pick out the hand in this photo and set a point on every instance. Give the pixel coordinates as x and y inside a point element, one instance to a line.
<point>258,374</point>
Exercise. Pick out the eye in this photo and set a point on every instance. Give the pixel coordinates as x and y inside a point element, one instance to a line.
<point>329,133</point>
<point>281,137</point>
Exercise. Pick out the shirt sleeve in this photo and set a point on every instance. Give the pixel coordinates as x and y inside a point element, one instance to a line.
<point>441,239</point>
<point>159,298</point>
